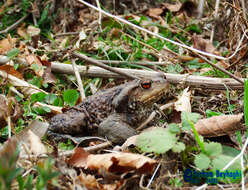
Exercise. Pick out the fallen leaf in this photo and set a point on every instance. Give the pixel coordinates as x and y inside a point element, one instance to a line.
<point>34,61</point>
<point>3,111</point>
<point>22,31</point>
<point>6,45</point>
<point>47,75</point>
<point>129,142</point>
<point>172,7</point>
<point>34,144</point>
<point>112,162</point>
<point>183,103</point>
<point>154,12</point>
<point>11,71</point>
<point>202,44</point>
<point>33,31</point>
<point>218,125</point>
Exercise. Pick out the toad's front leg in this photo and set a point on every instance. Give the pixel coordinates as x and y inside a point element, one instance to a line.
<point>116,129</point>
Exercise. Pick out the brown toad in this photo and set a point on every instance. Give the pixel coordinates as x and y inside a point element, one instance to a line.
<point>114,112</point>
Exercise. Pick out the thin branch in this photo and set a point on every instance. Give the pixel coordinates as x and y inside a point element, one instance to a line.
<point>66,34</point>
<point>99,64</point>
<point>220,68</point>
<point>13,26</point>
<point>157,35</point>
<point>217,3</point>
<point>79,81</point>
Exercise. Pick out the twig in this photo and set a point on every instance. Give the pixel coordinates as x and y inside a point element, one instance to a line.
<point>66,34</point>
<point>217,3</point>
<point>13,26</point>
<point>144,63</point>
<point>153,175</point>
<point>153,114</point>
<point>79,81</point>
<point>157,35</point>
<point>100,15</point>
<point>220,68</point>
<point>200,8</point>
<point>99,64</point>
<point>243,9</point>
<point>191,80</point>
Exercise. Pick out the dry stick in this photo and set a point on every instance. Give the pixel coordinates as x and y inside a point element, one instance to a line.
<point>99,64</point>
<point>145,63</point>
<point>159,36</point>
<point>13,26</point>
<point>66,34</point>
<point>220,68</point>
<point>100,15</point>
<point>192,80</point>
<point>79,81</point>
<point>153,114</point>
<point>243,8</point>
<point>217,3</point>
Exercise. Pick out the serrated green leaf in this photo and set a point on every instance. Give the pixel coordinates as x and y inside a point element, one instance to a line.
<point>178,147</point>
<point>13,53</point>
<point>213,149</point>
<point>202,161</point>
<point>70,97</point>
<point>158,140</point>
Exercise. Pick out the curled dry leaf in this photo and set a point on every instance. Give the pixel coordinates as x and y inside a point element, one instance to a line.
<point>218,125</point>
<point>183,103</point>
<point>129,142</point>
<point>113,162</point>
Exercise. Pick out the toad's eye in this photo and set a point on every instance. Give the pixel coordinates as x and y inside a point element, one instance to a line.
<point>146,84</point>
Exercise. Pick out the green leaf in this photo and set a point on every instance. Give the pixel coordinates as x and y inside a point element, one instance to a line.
<point>178,147</point>
<point>71,96</point>
<point>158,140</point>
<point>229,151</point>
<point>186,117</point>
<point>38,97</point>
<point>13,53</point>
<point>213,149</point>
<point>42,110</point>
<point>210,113</point>
<point>174,128</point>
<point>202,161</point>
<point>221,161</point>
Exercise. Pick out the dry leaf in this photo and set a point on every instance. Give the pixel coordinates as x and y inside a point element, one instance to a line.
<point>6,45</point>
<point>202,44</point>
<point>33,31</point>
<point>22,31</point>
<point>218,125</point>
<point>172,7</point>
<point>47,75</point>
<point>113,162</point>
<point>3,111</point>
<point>11,71</point>
<point>183,103</point>
<point>34,60</point>
<point>34,144</point>
<point>154,12</point>
<point>129,142</point>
